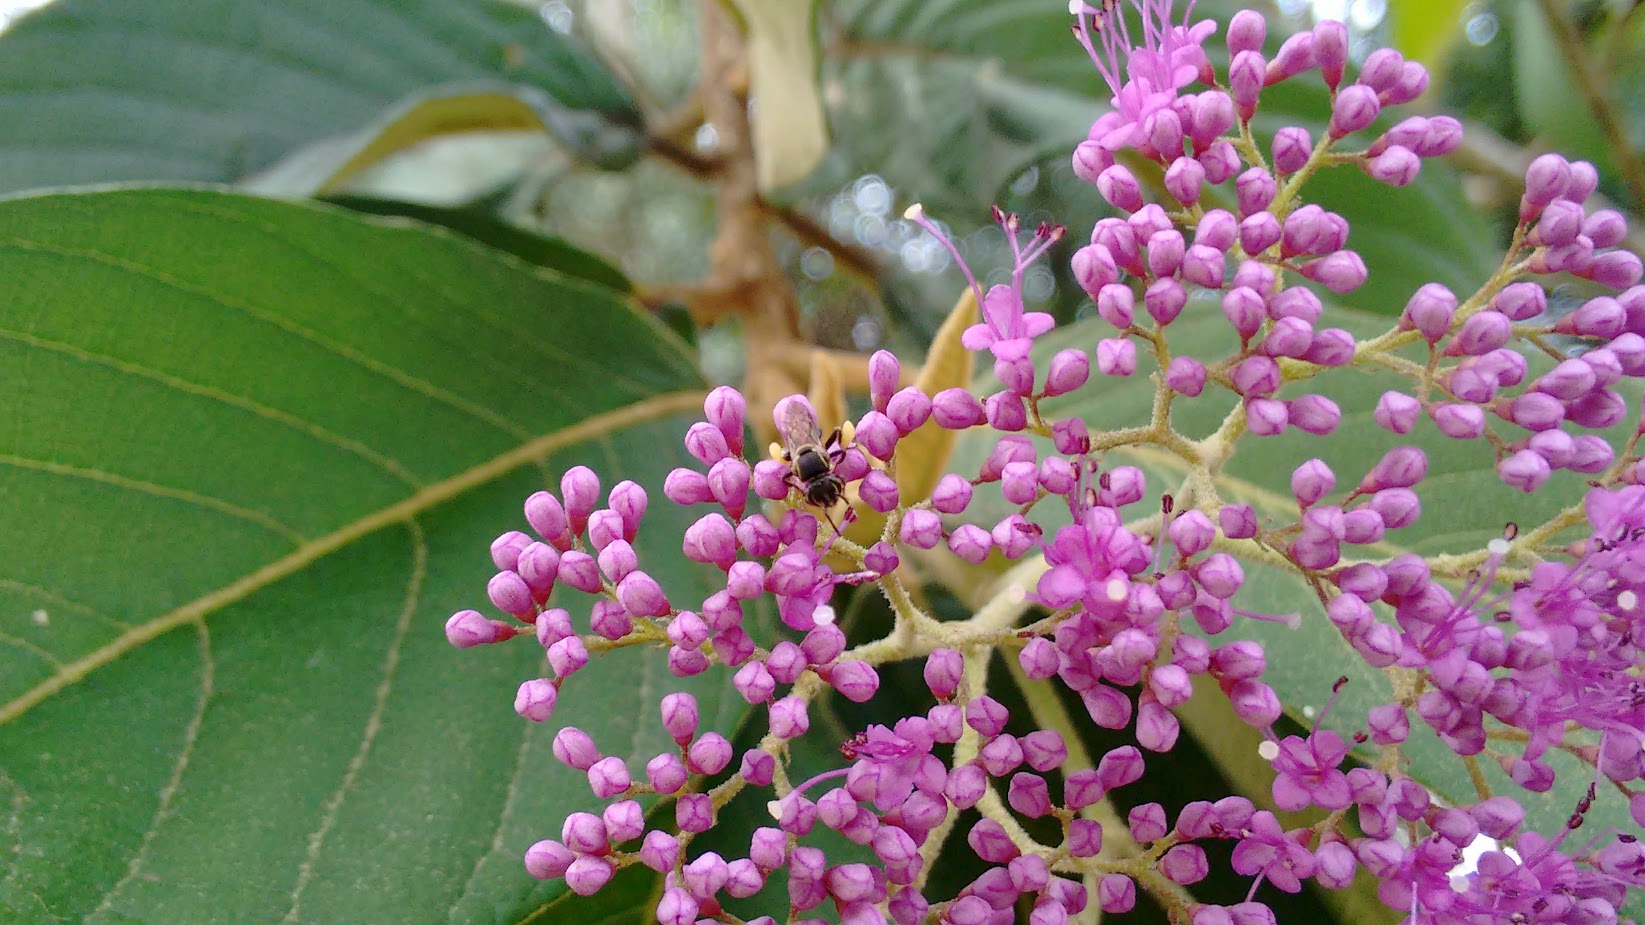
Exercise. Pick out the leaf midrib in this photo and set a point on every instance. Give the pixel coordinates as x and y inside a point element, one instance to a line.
<point>531,451</point>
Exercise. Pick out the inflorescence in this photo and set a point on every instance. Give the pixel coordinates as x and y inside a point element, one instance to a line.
<point>1526,649</point>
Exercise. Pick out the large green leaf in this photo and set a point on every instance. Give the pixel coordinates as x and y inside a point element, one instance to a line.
<point>1465,505</point>
<point>253,456</point>
<point>100,90</point>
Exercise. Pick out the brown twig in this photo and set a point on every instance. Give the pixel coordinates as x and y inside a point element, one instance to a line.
<point>745,264</point>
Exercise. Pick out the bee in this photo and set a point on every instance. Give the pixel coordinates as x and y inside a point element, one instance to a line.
<point>810,458</point>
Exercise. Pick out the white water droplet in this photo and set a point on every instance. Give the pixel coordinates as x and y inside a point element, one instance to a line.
<point>823,615</point>
<point>1627,600</point>
<point>1497,547</point>
<point>1268,750</point>
<point>40,618</point>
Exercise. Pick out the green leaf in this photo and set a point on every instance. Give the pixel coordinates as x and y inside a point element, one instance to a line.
<point>950,101</point>
<point>1465,505</point>
<point>442,112</point>
<point>254,455</point>
<point>101,90</point>
<point>1549,101</point>
<point>1425,30</point>
<point>482,224</point>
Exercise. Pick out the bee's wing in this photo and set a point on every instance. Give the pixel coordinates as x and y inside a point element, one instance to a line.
<point>798,423</point>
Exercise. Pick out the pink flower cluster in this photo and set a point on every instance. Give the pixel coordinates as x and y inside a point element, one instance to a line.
<point>1123,594</point>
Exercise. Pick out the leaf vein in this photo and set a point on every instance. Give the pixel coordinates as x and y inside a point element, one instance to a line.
<point>162,812</point>
<point>374,722</point>
<point>302,425</point>
<point>532,451</point>
<point>379,367</point>
<point>127,483</point>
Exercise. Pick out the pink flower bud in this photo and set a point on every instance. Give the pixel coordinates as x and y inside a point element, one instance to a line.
<point>510,594</point>
<point>857,681</point>
<point>548,860</point>
<point>1116,893</point>
<point>1331,50</point>
<point>1312,481</point>
<point>1395,166</point>
<point>1356,108</point>
<point>1164,300</point>
<point>1341,272</point>
<point>536,699</point>
<point>575,749</point>
<point>548,519</point>
<point>1292,148</point>
<point>1184,179</point>
<point>879,491</point>
<point>1185,375</point>
<point>1116,357</point>
<point>694,812</point>
<point>1221,159</point>
<point>1400,467</point>
<point>1256,189</point>
<point>608,777</point>
<point>1525,470</point>
<point>1314,414</point>
<point>1246,32</point>
<point>908,409</point>
<point>468,628</point>
<point>1412,83</point>
<point>956,409</point>
<point>1029,795</point>
<point>1120,188</point>
<point>1295,56</point>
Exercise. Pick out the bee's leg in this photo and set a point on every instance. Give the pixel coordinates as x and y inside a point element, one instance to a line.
<point>835,446</point>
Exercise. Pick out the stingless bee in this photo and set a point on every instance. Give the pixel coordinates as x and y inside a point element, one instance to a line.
<point>810,458</point>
